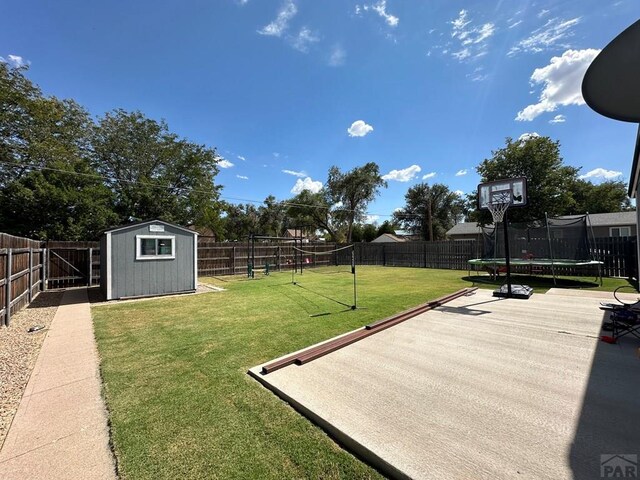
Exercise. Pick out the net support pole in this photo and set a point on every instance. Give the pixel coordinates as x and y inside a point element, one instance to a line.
<point>553,268</point>
<point>597,256</point>
<point>505,222</point>
<point>353,271</point>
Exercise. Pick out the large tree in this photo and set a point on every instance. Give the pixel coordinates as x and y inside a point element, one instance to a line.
<point>240,221</point>
<point>271,217</point>
<point>552,187</point>
<point>353,190</point>
<point>313,211</point>
<point>430,211</point>
<point>549,181</point>
<point>608,196</point>
<point>49,189</point>
<point>154,173</point>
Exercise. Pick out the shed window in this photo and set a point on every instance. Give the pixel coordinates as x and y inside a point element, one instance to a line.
<point>620,232</point>
<point>149,247</point>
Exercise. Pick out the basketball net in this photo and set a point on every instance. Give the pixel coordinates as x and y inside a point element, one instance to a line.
<point>498,206</point>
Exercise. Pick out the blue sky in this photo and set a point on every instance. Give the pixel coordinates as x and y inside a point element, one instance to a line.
<point>286,88</point>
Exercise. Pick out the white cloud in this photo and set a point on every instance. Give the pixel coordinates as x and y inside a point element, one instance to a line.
<point>359,129</point>
<point>462,172</point>
<point>528,136</point>
<point>462,54</point>
<point>276,154</point>
<point>601,173</point>
<point>562,80</point>
<point>294,173</point>
<point>303,40</point>
<point>558,119</point>
<point>543,13</point>
<point>477,75</point>
<point>15,61</point>
<point>428,175</point>
<point>242,158</point>
<point>403,175</point>
<point>337,57</point>
<point>224,163</point>
<point>459,193</point>
<point>306,184</point>
<point>473,39</point>
<point>381,9</point>
<point>281,23</point>
<point>553,34</point>
<point>242,177</point>
<point>371,218</point>
<point>515,24</point>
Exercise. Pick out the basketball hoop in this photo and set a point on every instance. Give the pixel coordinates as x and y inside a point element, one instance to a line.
<point>498,205</point>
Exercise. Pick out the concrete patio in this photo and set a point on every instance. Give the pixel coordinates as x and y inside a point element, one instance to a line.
<point>479,388</point>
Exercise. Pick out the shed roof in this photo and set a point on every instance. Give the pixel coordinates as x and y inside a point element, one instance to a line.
<point>143,222</point>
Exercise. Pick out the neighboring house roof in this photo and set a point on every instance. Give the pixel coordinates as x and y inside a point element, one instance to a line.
<point>612,219</point>
<point>388,237</point>
<point>202,231</point>
<point>597,220</point>
<point>465,228</point>
<point>295,233</point>
<point>144,222</point>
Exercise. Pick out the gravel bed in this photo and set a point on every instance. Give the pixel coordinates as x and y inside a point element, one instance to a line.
<point>19,350</point>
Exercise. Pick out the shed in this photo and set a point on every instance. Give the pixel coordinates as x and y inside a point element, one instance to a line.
<point>147,259</point>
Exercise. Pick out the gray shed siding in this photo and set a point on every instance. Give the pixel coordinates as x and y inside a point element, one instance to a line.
<point>132,278</point>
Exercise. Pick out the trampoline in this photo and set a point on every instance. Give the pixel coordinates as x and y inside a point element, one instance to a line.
<point>559,246</point>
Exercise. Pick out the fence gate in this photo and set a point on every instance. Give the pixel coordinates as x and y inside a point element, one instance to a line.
<point>72,267</point>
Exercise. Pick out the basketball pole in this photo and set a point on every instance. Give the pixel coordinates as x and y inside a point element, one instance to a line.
<point>353,272</point>
<point>505,222</point>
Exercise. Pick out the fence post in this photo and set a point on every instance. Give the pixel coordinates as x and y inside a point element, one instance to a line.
<point>45,268</point>
<point>424,253</point>
<point>233,260</point>
<point>279,256</point>
<point>7,315</point>
<point>90,269</point>
<point>384,256</point>
<point>30,274</point>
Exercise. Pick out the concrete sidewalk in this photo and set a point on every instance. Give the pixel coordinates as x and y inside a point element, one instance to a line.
<point>60,429</point>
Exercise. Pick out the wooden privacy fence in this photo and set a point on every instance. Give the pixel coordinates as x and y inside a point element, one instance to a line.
<point>22,268</point>
<point>72,264</point>
<point>447,254</point>
<point>619,254</point>
<point>29,266</point>
<point>231,258</point>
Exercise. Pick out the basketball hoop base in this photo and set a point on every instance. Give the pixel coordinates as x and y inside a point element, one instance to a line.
<point>517,291</point>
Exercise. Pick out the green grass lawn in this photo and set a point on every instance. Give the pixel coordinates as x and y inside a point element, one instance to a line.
<point>174,369</point>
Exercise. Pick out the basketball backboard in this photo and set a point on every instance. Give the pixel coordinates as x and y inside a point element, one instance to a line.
<point>512,190</point>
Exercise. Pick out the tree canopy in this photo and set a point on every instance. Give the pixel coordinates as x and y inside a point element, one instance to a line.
<point>429,211</point>
<point>66,177</point>
<point>354,190</point>
<point>553,188</point>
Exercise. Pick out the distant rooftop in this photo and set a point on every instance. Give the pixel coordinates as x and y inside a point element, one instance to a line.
<point>596,219</point>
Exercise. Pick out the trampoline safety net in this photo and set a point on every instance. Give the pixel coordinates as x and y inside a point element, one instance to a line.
<point>553,239</point>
